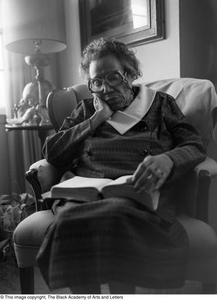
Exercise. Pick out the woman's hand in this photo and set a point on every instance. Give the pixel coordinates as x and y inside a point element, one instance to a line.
<point>152,172</point>
<point>102,107</point>
<point>103,112</point>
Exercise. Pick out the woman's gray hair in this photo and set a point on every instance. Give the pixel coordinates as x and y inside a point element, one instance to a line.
<point>106,46</point>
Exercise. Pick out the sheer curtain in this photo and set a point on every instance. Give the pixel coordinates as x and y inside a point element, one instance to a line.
<point>24,147</point>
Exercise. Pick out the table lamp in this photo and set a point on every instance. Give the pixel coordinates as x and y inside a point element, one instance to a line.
<point>35,28</point>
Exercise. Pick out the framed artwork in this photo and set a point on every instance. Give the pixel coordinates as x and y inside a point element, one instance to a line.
<point>133,22</point>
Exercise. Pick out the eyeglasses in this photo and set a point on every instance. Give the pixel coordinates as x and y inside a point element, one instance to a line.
<point>113,79</point>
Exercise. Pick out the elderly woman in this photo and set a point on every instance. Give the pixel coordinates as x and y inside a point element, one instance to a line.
<point>123,129</point>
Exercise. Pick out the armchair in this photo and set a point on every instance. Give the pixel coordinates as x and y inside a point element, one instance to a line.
<point>198,101</point>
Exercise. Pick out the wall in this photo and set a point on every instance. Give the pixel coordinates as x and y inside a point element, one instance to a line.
<point>161,60</point>
<point>198,39</point>
<point>198,58</point>
<point>70,58</point>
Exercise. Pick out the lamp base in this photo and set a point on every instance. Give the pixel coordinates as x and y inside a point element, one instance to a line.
<point>38,60</point>
<point>31,110</point>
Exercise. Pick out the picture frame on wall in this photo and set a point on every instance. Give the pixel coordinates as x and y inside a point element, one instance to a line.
<point>133,22</point>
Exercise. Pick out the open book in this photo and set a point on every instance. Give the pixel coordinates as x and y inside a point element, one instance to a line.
<point>90,189</point>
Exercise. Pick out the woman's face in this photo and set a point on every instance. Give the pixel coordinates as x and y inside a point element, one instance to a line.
<point>118,97</point>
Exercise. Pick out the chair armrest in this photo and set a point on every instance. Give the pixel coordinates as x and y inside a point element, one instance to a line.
<point>192,193</point>
<point>205,171</point>
<point>209,165</point>
<point>42,176</point>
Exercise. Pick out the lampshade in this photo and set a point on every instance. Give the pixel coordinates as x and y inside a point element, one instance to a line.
<point>30,21</point>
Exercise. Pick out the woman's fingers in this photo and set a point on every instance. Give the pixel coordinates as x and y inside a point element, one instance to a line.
<point>142,168</point>
<point>146,182</point>
<point>144,178</point>
<point>152,172</point>
<point>160,181</point>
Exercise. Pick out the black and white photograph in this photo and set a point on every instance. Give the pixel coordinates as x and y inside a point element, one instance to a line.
<point>108,149</point>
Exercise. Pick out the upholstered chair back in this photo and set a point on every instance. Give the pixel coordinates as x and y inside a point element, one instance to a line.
<point>196,98</point>
<point>60,103</point>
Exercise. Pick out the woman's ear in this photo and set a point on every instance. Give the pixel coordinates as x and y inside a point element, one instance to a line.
<point>130,77</point>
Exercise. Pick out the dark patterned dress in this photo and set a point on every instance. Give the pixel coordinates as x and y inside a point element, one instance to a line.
<point>117,239</point>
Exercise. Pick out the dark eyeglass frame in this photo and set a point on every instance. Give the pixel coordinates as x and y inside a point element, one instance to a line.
<point>104,80</point>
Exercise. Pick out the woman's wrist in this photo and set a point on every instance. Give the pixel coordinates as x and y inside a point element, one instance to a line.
<point>95,120</point>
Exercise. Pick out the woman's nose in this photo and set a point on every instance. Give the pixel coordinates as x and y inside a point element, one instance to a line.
<point>107,88</point>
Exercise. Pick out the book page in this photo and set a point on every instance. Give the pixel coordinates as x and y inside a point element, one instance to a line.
<point>79,188</point>
<point>82,182</point>
<point>120,180</point>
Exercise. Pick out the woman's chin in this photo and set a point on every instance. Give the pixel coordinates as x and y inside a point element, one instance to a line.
<point>116,107</point>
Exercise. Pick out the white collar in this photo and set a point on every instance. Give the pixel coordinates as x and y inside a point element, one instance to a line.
<point>122,121</point>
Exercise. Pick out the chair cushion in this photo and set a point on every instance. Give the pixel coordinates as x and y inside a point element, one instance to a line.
<point>29,235</point>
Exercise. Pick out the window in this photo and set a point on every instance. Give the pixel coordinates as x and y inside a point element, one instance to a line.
<point>2,85</point>
<point>2,97</point>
